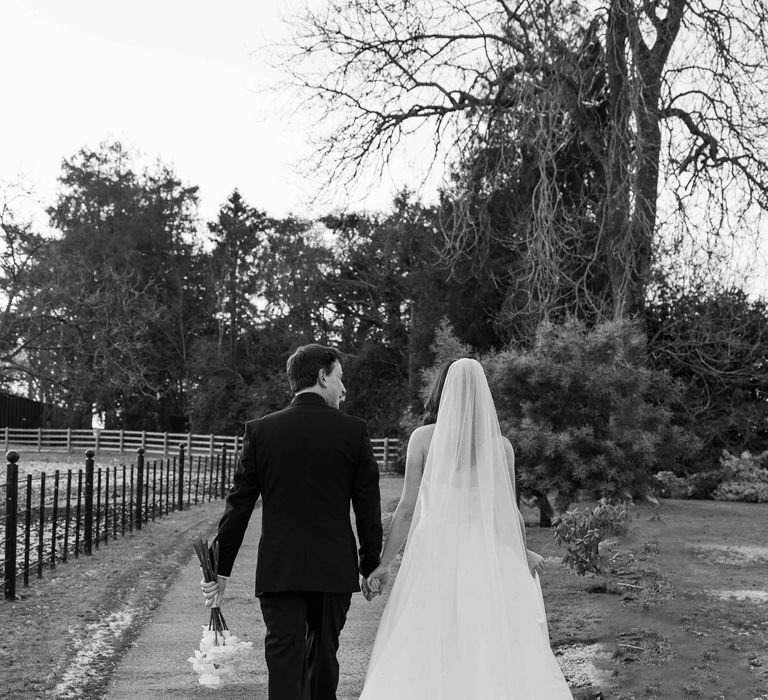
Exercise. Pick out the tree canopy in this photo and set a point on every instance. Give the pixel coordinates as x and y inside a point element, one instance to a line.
<point>610,120</point>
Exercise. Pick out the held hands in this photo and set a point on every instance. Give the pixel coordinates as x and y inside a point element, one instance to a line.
<point>535,562</point>
<point>213,591</point>
<point>374,584</point>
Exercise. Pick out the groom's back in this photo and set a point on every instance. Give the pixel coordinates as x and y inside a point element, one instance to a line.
<point>308,458</point>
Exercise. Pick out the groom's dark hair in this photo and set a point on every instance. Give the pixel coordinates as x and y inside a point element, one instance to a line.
<point>307,360</point>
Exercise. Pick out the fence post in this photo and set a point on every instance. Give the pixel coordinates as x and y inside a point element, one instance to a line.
<point>88,523</point>
<point>97,440</point>
<point>139,485</point>
<point>224,470</point>
<point>6,438</point>
<point>69,439</point>
<point>386,454</point>
<point>165,444</point>
<point>39,439</point>
<point>122,440</point>
<point>189,445</point>
<point>180,480</point>
<point>11,509</point>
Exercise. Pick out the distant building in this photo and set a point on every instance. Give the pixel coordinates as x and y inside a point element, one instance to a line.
<point>20,412</point>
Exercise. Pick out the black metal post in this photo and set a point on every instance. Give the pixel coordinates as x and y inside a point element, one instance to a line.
<point>97,514</point>
<point>180,480</point>
<point>139,485</point>
<point>67,517</point>
<point>131,514</point>
<point>11,508</point>
<point>122,515</point>
<point>88,523</point>
<point>27,529</point>
<point>78,511</point>
<point>41,528</point>
<point>168,494</point>
<point>98,506</point>
<point>54,517</point>
<point>224,470</point>
<point>197,480</point>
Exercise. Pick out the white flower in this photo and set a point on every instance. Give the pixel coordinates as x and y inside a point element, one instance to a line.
<point>210,680</point>
<point>219,656</point>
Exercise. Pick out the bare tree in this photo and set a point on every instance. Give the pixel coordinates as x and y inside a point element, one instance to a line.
<point>20,247</point>
<point>666,96</point>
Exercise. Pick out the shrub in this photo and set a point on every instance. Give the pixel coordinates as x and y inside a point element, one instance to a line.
<point>702,484</point>
<point>584,413</point>
<point>746,491</point>
<point>581,530</point>
<point>746,478</point>
<point>668,485</point>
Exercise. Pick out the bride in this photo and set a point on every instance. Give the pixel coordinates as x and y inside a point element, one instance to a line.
<point>465,619</point>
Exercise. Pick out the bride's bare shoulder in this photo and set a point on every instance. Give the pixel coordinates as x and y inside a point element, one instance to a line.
<point>422,436</point>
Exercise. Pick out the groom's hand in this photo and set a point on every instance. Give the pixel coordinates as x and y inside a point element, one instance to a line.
<point>365,588</point>
<point>213,591</point>
<point>377,580</point>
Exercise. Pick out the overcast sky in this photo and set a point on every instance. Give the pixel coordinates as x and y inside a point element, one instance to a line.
<point>182,81</point>
<point>179,80</point>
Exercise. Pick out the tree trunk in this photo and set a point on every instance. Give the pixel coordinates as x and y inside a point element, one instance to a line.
<point>616,206</point>
<point>545,509</point>
<point>424,318</point>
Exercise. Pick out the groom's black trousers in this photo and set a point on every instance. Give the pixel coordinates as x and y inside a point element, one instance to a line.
<point>302,639</point>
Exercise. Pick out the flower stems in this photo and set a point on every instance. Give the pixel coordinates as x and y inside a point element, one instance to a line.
<point>209,557</point>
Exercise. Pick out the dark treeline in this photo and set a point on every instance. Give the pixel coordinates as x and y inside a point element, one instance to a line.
<point>135,309</point>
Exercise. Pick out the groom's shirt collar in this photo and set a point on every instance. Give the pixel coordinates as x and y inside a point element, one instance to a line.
<point>308,398</point>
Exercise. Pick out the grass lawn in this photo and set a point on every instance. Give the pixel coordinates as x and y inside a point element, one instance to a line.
<point>33,462</point>
<point>689,618</point>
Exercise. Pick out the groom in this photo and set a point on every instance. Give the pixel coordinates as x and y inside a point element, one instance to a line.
<point>307,462</point>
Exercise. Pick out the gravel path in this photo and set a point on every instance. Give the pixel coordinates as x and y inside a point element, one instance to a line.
<point>156,666</point>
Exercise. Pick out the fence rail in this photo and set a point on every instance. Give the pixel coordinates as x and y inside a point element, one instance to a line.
<point>102,440</point>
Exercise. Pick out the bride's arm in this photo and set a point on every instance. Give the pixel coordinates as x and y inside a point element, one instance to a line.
<point>535,561</point>
<point>401,521</point>
<point>510,453</point>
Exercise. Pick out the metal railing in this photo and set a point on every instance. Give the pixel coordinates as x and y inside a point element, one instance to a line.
<point>51,517</point>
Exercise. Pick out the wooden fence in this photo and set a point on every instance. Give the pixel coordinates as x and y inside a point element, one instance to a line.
<point>99,440</point>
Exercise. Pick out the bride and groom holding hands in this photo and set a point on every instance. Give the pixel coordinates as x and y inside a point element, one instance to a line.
<point>465,617</point>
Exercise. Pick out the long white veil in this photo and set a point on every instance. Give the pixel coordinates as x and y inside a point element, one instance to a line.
<point>465,619</point>
<point>466,472</point>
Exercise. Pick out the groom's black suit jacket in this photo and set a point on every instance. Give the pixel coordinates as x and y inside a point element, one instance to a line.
<point>307,462</point>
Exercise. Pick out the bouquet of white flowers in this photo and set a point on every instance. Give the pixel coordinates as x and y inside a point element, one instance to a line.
<point>220,653</point>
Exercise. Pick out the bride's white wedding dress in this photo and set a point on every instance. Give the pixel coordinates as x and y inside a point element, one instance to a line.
<point>465,619</point>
